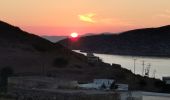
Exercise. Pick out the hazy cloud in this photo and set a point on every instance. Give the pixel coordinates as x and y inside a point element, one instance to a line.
<point>167,11</point>
<point>87,17</point>
<point>94,18</point>
<point>114,21</point>
<point>165,14</point>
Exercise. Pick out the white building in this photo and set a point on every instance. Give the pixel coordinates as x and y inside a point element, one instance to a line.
<point>122,87</point>
<point>140,95</point>
<point>98,84</point>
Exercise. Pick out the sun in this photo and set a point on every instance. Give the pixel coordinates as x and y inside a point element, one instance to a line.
<point>74,34</point>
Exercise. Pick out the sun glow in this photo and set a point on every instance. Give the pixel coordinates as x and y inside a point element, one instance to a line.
<point>74,35</point>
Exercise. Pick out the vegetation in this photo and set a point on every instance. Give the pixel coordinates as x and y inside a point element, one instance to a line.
<point>4,74</point>
<point>159,84</point>
<point>78,66</point>
<point>6,97</point>
<point>40,48</point>
<point>60,62</point>
<point>166,88</point>
<point>113,86</point>
<point>142,83</point>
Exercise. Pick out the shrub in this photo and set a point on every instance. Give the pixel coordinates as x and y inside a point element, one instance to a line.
<point>40,48</point>
<point>60,62</point>
<point>4,74</point>
<point>166,88</point>
<point>113,86</point>
<point>121,75</point>
<point>159,84</point>
<point>78,66</point>
<point>142,83</point>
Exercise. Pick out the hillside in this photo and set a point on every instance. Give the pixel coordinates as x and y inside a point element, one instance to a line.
<point>28,54</point>
<point>140,42</point>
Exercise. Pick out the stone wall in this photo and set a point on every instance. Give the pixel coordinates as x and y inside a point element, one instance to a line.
<point>38,82</point>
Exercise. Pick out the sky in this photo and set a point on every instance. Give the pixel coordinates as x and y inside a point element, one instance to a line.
<point>62,17</point>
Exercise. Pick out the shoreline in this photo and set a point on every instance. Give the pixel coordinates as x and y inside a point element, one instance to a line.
<point>132,55</point>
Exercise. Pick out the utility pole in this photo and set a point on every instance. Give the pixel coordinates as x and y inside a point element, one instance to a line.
<point>147,70</point>
<point>143,67</point>
<point>154,73</point>
<point>149,67</point>
<point>134,65</point>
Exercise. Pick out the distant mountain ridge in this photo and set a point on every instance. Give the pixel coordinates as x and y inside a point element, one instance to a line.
<point>139,42</point>
<point>54,39</point>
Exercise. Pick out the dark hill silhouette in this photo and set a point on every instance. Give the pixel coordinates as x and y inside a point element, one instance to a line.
<point>27,53</point>
<point>139,42</point>
<point>14,34</point>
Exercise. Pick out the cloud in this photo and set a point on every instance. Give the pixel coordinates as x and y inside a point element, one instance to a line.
<point>167,11</point>
<point>165,14</point>
<point>93,18</point>
<point>87,17</point>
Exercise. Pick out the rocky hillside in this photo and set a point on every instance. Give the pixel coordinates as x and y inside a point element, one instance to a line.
<point>140,42</point>
<point>27,53</point>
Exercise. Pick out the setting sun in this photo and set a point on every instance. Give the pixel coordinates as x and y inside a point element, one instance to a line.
<point>74,35</point>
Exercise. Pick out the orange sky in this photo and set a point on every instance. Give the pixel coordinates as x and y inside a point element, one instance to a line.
<point>62,17</point>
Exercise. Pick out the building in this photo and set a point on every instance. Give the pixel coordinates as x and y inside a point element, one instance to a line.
<point>122,87</point>
<point>166,80</point>
<point>141,95</point>
<point>98,84</point>
<point>91,58</point>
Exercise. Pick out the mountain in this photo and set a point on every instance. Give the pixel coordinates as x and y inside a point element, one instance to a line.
<point>139,42</point>
<point>54,38</point>
<point>28,54</point>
